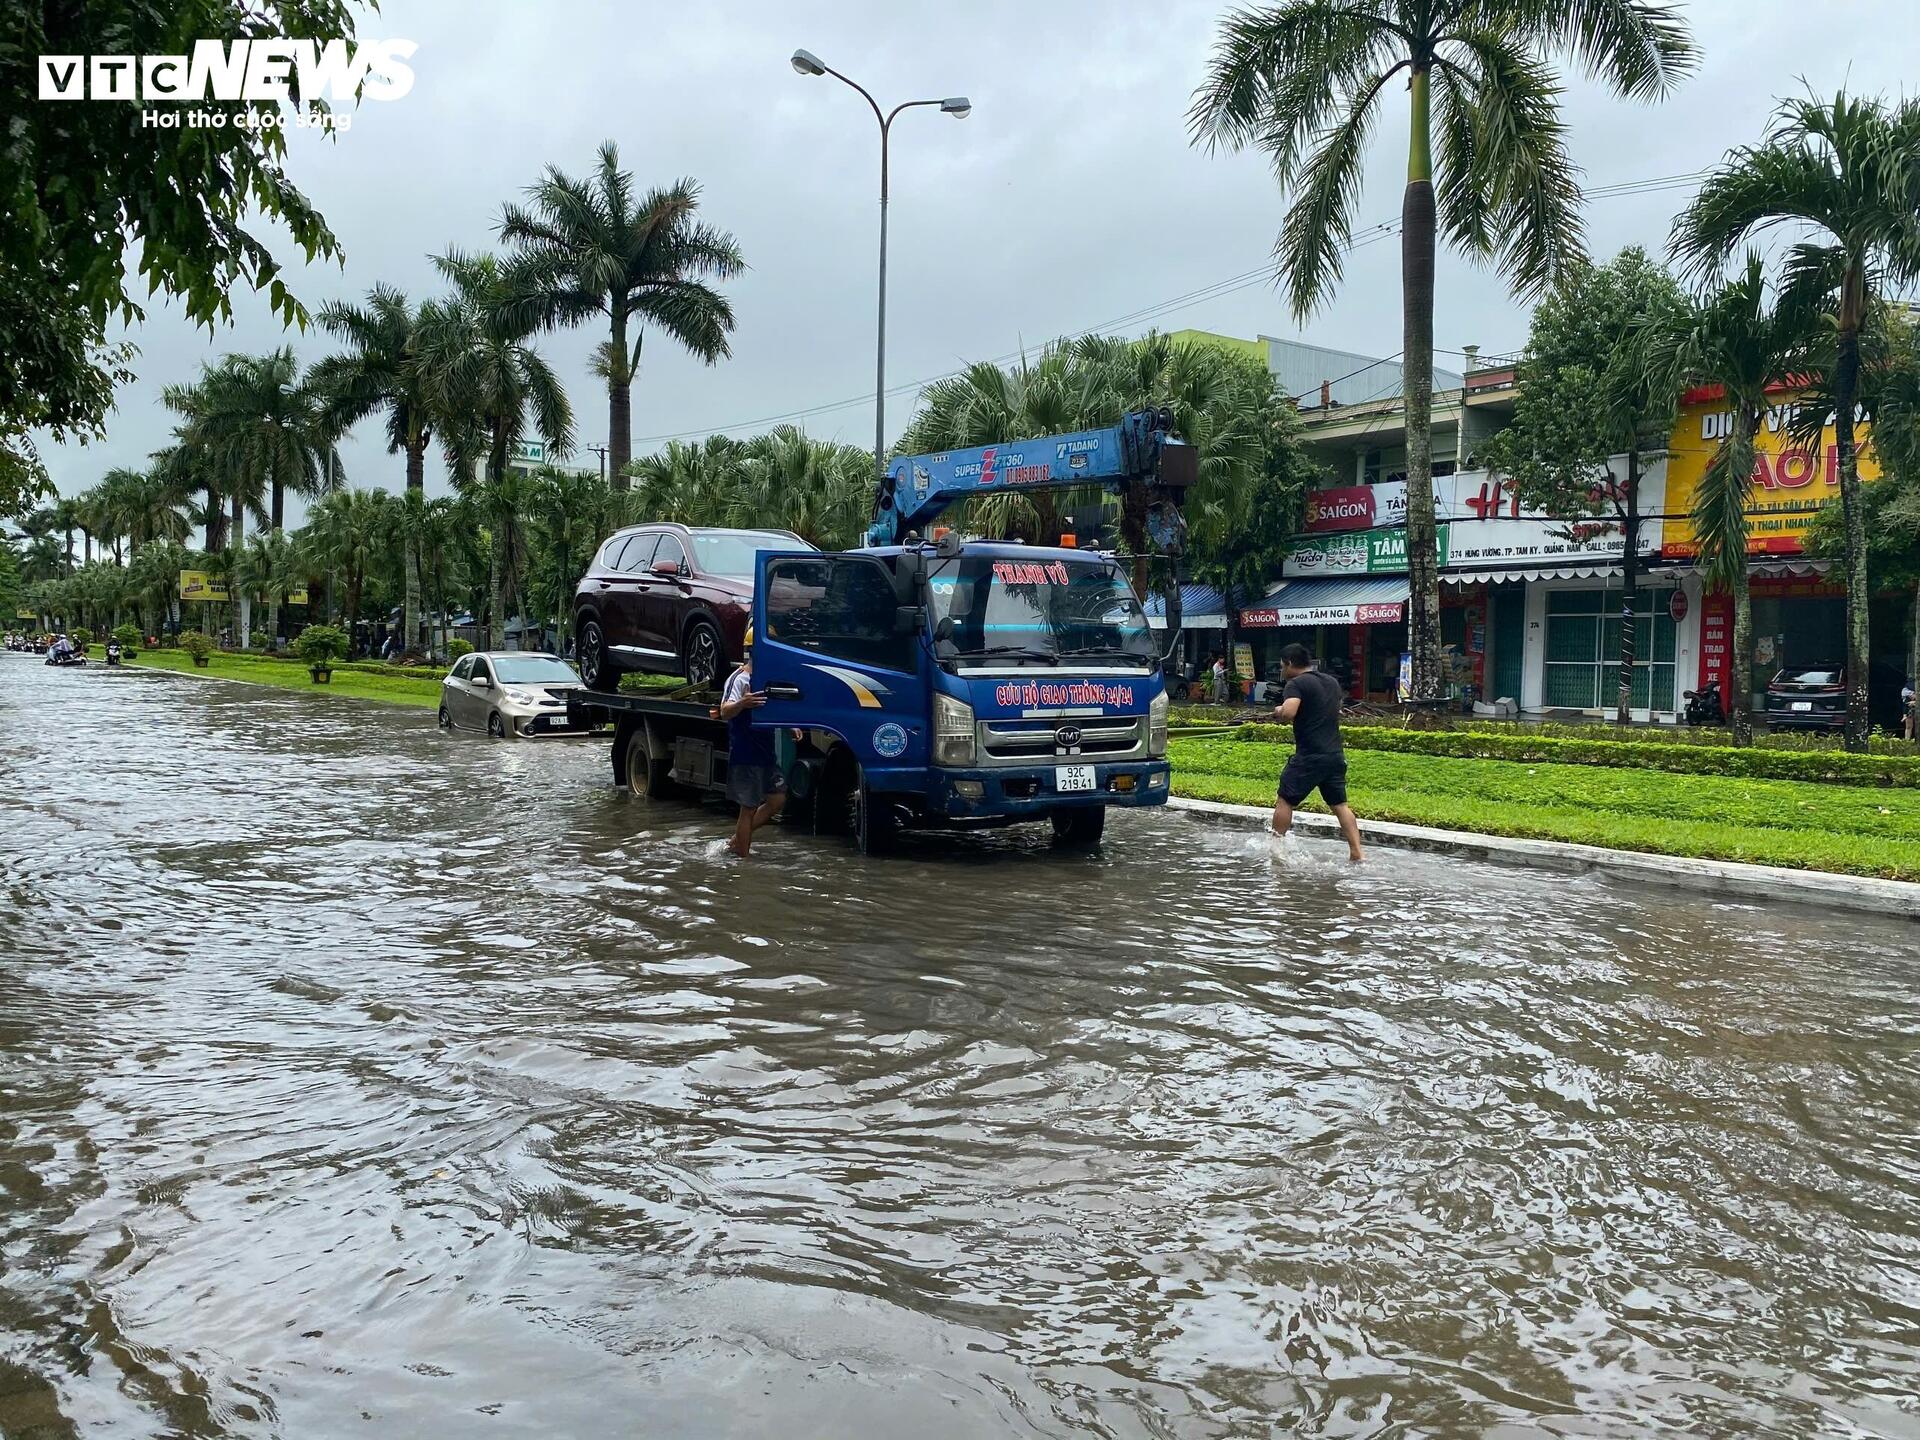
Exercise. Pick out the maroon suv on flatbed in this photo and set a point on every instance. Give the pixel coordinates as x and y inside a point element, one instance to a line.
<point>673,599</point>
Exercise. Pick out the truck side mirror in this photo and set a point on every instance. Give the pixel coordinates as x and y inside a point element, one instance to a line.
<point>943,630</point>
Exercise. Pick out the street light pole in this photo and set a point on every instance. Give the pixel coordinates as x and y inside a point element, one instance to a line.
<point>806,63</point>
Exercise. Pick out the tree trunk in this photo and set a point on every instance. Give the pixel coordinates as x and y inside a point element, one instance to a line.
<point>275,610</point>
<point>411,620</point>
<point>1630,579</point>
<point>86,545</point>
<point>1846,384</point>
<point>242,602</point>
<point>1740,703</point>
<point>1913,656</point>
<point>619,406</point>
<point>496,592</point>
<point>1416,361</point>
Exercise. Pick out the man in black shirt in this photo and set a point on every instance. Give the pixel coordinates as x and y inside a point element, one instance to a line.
<point>1311,704</point>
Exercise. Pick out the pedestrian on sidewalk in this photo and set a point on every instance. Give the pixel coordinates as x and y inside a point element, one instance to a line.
<point>754,781</point>
<point>1311,704</point>
<point>1220,680</point>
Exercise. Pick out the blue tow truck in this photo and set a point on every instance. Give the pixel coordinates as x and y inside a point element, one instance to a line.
<point>948,683</point>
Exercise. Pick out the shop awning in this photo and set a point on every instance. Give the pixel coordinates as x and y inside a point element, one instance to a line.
<point>1201,608</point>
<point>1332,600</point>
<point>1560,572</point>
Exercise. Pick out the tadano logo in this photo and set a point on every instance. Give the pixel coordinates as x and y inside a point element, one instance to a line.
<point>254,70</point>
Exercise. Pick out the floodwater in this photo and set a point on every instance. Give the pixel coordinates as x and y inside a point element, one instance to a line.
<point>357,1079</point>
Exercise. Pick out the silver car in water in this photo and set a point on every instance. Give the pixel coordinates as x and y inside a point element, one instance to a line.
<point>510,694</point>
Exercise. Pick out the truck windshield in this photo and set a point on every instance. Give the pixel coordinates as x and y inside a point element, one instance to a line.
<point>1044,611</point>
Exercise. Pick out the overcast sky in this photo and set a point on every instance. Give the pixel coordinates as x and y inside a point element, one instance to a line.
<point>1069,198</point>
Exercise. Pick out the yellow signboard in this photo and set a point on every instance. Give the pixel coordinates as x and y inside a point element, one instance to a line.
<point>198,585</point>
<point>24,614</point>
<point>1791,480</point>
<point>297,597</point>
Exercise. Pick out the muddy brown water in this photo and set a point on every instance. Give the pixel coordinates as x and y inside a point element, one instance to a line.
<point>361,1080</point>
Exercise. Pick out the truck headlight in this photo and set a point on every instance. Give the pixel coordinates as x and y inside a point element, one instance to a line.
<point>1157,725</point>
<point>952,731</point>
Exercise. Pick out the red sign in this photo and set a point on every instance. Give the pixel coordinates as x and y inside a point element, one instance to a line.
<point>1347,507</point>
<point>1677,606</point>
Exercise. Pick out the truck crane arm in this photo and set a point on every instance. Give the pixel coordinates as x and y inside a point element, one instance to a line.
<point>1142,448</point>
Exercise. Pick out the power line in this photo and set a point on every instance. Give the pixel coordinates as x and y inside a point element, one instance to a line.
<point>1218,289</point>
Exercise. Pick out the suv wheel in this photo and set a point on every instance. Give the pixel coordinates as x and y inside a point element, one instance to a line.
<point>704,654</point>
<point>596,666</point>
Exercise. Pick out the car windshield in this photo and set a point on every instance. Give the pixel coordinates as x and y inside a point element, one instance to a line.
<point>730,552</point>
<point>532,670</point>
<point>1039,611</point>
<point>1810,677</point>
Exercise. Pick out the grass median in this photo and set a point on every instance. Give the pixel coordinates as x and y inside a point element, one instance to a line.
<point>1845,829</point>
<point>422,691</point>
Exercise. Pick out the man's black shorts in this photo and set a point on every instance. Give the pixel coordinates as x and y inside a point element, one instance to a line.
<point>1304,773</point>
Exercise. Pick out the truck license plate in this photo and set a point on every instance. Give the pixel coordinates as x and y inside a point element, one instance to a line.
<point>1803,704</point>
<point>1073,777</point>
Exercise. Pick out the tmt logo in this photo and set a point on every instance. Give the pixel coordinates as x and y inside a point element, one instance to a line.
<point>253,70</point>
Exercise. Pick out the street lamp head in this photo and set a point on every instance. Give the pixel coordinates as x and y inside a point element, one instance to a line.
<point>805,62</point>
<point>958,107</point>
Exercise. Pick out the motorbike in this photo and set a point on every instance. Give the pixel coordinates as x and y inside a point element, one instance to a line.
<point>1703,706</point>
<point>113,652</point>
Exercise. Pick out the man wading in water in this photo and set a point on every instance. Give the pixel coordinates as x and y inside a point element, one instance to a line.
<point>1311,704</point>
<point>754,781</point>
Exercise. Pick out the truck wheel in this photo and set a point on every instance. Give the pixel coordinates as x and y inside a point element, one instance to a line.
<point>647,777</point>
<point>596,665</point>
<point>876,828</point>
<point>1079,827</point>
<point>704,654</point>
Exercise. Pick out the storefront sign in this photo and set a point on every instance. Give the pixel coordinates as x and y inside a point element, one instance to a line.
<point>198,585</point>
<point>1791,480</point>
<point>1677,605</point>
<point>1356,507</point>
<point>1365,552</point>
<point>1272,616</point>
<point>1483,524</point>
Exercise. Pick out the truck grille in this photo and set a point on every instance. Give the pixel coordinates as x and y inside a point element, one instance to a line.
<point>1025,742</point>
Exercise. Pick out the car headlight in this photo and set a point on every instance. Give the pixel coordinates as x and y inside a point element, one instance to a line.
<point>520,697</point>
<point>1157,725</point>
<point>952,731</point>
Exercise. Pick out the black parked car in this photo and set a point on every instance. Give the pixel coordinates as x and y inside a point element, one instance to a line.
<point>1809,698</point>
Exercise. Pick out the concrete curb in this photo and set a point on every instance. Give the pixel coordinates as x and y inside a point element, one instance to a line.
<point>1734,879</point>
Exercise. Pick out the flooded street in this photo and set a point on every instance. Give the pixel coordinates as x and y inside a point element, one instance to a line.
<point>357,1079</point>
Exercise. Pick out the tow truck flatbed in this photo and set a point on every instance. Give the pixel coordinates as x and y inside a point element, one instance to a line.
<point>661,738</point>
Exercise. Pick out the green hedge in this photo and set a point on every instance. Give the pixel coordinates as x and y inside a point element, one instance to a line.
<point>1531,746</point>
<point>1712,736</point>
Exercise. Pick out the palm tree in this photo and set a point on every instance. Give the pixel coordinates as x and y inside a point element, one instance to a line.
<point>66,519</point>
<point>1299,80</point>
<point>592,247</point>
<point>821,490</point>
<point>265,433</point>
<point>348,531</point>
<point>1848,171</point>
<point>380,371</point>
<point>1739,339</point>
<point>477,366</point>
